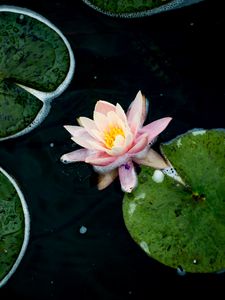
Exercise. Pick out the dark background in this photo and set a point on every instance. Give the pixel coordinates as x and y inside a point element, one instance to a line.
<point>177,60</point>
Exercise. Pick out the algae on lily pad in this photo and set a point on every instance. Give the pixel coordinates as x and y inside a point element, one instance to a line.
<point>136,8</point>
<point>36,65</point>
<point>182,225</point>
<point>14,226</point>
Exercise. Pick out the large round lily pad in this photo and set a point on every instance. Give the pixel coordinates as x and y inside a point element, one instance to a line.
<point>183,225</point>
<point>136,8</point>
<point>36,65</point>
<point>14,226</point>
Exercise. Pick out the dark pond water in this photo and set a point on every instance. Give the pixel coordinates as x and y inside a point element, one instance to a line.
<point>176,59</point>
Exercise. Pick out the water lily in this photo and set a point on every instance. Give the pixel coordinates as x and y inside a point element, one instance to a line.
<point>114,142</point>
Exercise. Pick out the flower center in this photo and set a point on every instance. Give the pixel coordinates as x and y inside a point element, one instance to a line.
<point>111,134</point>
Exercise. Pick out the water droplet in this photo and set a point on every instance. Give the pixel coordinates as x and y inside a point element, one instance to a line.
<point>158,176</point>
<point>51,145</point>
<point>195,261</point>
<point>83,230</point>
<point>95,77</point>
<point>21,17</point>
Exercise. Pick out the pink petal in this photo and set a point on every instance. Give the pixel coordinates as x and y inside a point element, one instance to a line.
<point>120,112</point>
<point>137,113</point>
<point>75,130</point>
<point>140,145</point>
<point>128,177</point>
<point>74,156</point>
<point>115,164</point>
<point>152,159</point>
<point>87,141</point>
<point>155,128</point>
<point>100,159</point>
<point>101,121</point>
<point>104,107</point>
<point>90,126</point>
<point>114,118</point>
<point>105,180</point>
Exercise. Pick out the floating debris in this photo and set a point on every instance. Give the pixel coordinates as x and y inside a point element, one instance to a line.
<point>83,230</point>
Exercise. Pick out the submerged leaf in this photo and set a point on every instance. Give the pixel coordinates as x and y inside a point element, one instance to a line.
<point>183,225</point>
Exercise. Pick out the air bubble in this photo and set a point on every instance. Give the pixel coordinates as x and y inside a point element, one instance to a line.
<point>83,230</point>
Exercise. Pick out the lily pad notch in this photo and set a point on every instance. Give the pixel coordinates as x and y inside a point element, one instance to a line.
<point>42,91</point>
<point>4,280</point>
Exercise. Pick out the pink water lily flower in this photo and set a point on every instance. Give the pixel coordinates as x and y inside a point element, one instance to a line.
<point>113,141</point>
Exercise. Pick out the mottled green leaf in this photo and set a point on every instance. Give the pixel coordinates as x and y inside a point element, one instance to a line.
<point>18,108</point>
<point>33,55</point>
<point>183,225</point>
<point>11,225</point>
<point>127,6</point>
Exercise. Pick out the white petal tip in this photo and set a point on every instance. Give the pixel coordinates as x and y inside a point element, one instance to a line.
<point>127,189</point>
<point>64,160</point>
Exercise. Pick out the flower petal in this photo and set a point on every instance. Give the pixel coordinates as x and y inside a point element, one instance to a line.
<point>74,156</point>
<point>114,119</point>
<point>104,107</point>
<point>100,159</point>
<point>101,121</point>
<point>120,112</point>
<point>128,177</point>
<point>152,159</point>
<point>115,164</point>
<point>75,130</point>
<point>90,126</point>
<point>105,180</point>
<point>87,141</point>
<point>155,128</point>
<point>137,113</point>
<point>139,145</point>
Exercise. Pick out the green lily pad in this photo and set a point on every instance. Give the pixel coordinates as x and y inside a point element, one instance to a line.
<point>14,226</point>
<point>36,65</point>
<point>136,8</point>
<point>182,225</point>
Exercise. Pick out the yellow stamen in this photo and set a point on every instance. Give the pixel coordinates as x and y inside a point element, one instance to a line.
<point>111,134</point>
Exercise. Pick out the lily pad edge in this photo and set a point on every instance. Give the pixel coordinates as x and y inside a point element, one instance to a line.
<point>26,230</point>
<point>196,131</point>
<point>160,9</point>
